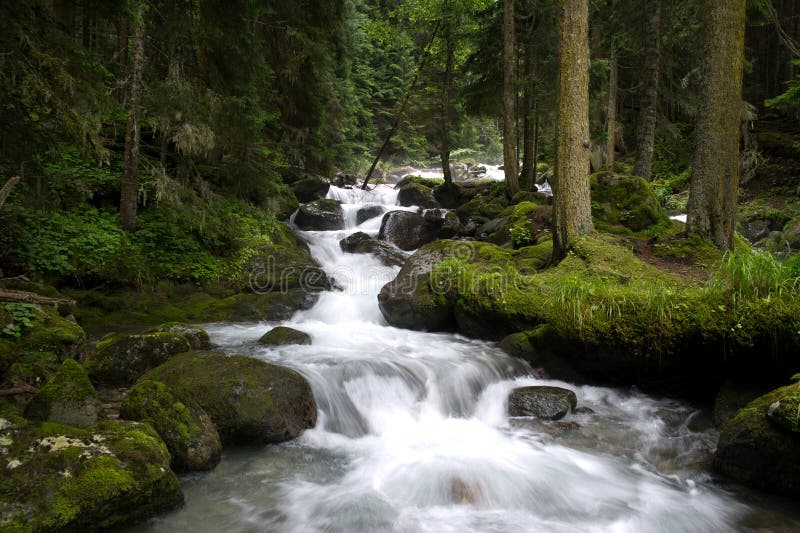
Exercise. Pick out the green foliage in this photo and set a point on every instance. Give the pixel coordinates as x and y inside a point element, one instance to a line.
<point>21,316</point>
<point>789,100</point>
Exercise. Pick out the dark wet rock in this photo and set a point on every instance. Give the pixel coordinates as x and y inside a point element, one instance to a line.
<point>414,194</point>
<point>249,401</point>
<point>311,189</point>
<point>343,180</point>
<point>282,336</point>
<point>368,212</point>
<point>320,215</point>
<point>407,230</point>
<point>551,403</point>
<point>361,243</point>
<point>186,429</point>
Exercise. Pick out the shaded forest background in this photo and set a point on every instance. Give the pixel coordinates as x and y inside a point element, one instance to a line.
<point>238,98</point>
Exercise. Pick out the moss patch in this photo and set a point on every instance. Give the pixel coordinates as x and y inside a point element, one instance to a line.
<point>67,398</point>
<point>625,205</point>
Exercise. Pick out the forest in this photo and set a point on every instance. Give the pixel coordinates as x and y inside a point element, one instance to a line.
<point>399,265</point>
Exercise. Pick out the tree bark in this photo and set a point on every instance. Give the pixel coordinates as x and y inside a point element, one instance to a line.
<point>646,132</point>
<point>509,101</point>
<point>447,80</point>
<point>714,186</point>
<point>572,210</point>
<point>611,110</point>
<point>130,189</point>
<point>528,174</point>
<point>6,190</point>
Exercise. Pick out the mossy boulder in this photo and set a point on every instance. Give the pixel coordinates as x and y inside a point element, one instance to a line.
<point>408,231</point>
<point>311,188</point>
<point>409,301</point>
<point>282,336</point>
<point>785,411</point>
<point>282,264</point>
<point>791,234</point>
<point>196,336</point>
<point>759,452</point>
<point>121,359</point>
<point>320,215</point>
<point>186,429</point>
<point>624,203</point>
<point>549,403</point>
<point>51,332</point>
<point>414,194</point>
<point>361,243</point>
<point>33,368</point>
<point>61,478</point>
<point>67,398</point>
<point>249,401</point>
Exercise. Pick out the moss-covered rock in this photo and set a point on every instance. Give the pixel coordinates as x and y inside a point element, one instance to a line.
<point>51,332</point>
<point>415,194</point>
<point>282,336</point>
<point>732,397</point>
<point>196,336</point>
<point>759,452</point>
<point>121,359</point>
<point>248,400</point>
<point>320,215</point>
<point>186,429</point>
<point>61,478</point>
<point>33,368</point>
<point>67,398</point>
<point>625,203</point>
<point>785,411</point>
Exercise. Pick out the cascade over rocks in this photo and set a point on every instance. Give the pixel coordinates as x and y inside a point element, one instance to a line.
<point>361,243</point>
<point>320,215</point>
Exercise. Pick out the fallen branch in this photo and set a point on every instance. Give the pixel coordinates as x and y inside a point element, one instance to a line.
<point>6,190</point>
<point>9,295</point>
<point>23,388</point>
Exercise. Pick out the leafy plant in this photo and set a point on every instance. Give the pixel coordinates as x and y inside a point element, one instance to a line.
<point>21,316</point>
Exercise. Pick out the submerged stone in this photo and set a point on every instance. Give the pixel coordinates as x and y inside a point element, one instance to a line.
<point>550,403</point>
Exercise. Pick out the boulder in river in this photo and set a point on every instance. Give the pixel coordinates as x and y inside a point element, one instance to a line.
<point>67,398</point>
<point>320,215</point>
<point>760,446</point>
<point>249,401</point>
<point>61,478</point>
<point>550,403</point>
<point>311,189</point>
<point>186,429</point>
<point>196,336</point>
<point>282,336</point>
<point>415,194</point>
<point>361,243</point>
<point>368,212</point>
<point>407,230</point>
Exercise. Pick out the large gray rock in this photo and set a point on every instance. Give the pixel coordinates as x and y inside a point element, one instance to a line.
<point>369,211</point>
<point>407,230</point>
<point>361,243</point>
<point>550,403</point>
<point>320,215</point>
<point>67,398</point>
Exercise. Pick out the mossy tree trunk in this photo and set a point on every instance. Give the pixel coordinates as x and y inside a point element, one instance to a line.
<point>528,173</point>
<point>611,113</point>
<point>447,80</point>
<point>714,185</point>
<point>572,209</point>
<point>130,189</point>
<point>509,101</point>
<point>646,131</point>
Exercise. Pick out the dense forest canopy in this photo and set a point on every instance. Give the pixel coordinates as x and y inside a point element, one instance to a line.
<point>225,99</point>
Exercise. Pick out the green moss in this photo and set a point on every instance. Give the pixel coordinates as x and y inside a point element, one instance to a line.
<point>281,336</point>
<point>68,397</point>
<point>34,368</point>
<point>626,204</point>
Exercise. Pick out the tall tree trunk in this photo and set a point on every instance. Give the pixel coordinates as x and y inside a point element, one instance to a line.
<point>714,185</point>
<point>646,132</point>
<point>122,57</point>
<point>444,148</point>
<point>611,110</point>
<point>527,176</point>
<point>129,190</point>
<point>572,209</point>
<point>509,101</point>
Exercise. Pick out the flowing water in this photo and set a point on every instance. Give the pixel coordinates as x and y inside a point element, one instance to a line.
<point>412,436</point>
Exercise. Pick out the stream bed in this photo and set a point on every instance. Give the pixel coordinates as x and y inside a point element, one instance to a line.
<point>413,436</point>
